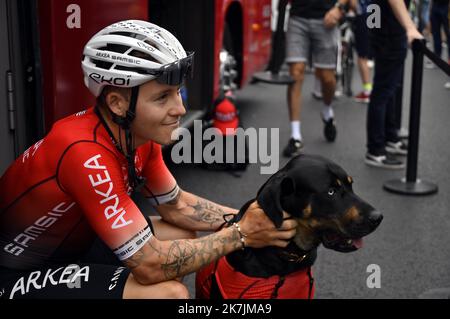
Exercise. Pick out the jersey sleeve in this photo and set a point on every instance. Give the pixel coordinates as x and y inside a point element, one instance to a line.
<point>161,187</point>
<point>93,176</point>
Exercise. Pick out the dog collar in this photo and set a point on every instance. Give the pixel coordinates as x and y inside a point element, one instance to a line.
<point>293,257</point>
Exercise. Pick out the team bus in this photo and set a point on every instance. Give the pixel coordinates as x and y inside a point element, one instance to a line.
<point>42,41</point>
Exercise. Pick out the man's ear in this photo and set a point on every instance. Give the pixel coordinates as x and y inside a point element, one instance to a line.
<point>117,103</point>
<point>270,195</point>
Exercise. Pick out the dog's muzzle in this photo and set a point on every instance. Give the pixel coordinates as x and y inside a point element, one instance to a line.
<point>354,239</point>
<point>340,243</point>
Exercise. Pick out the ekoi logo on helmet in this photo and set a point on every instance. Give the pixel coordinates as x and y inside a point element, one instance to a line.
<point>115,81</point>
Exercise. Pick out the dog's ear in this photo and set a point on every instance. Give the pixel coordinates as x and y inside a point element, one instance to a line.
<point>270,195</point>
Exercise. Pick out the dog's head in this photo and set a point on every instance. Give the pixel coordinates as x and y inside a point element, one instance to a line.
<point>319,195</point>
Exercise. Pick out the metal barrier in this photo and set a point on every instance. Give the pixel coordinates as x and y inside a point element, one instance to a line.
<point>411,185</point>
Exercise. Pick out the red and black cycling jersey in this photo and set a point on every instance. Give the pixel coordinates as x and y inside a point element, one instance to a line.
<point>69,188</point>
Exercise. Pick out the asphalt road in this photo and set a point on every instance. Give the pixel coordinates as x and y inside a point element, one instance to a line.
<point>411,247</point>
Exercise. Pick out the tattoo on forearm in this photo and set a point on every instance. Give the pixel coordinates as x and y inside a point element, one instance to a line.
<point>185,256</point>
<point>207,212</point>
<point>180,255</point>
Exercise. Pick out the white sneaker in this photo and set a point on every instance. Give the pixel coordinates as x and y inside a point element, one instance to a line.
<point>403,133</point>
<point>398,148</point>
<point>383,161</point>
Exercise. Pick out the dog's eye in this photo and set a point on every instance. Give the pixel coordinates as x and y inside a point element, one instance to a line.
<point>331,191</point>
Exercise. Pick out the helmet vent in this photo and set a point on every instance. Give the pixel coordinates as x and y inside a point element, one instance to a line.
<point>102,64</point>
<point>129,35</point>
<point>142,55</point>
<point>118,48</point>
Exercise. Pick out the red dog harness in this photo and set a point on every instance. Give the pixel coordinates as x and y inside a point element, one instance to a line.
<point>235,285</point>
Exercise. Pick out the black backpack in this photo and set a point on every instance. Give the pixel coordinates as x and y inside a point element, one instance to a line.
<point>230,143</point>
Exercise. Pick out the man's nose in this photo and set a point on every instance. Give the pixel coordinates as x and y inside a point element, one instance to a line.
<point>178,110</point>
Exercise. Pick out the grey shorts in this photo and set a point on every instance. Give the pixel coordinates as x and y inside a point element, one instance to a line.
<point>309,38</point>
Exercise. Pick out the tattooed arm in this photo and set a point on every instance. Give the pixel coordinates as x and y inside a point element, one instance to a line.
<point>160,261</point>
<point>192,212</point>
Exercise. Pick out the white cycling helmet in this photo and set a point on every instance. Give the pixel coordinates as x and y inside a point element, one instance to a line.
<point>110,56</point>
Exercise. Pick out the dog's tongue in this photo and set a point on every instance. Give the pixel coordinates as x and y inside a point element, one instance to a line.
<point>358,243</point>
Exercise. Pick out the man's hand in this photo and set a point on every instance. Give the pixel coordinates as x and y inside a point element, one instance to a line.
<point>260,230</point>
<point>413,34</point>
<point>162,260</point>
<point>403,17</point>
<point>332,18</point>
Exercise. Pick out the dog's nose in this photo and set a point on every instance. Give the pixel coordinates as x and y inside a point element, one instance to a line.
<point>375,218</point>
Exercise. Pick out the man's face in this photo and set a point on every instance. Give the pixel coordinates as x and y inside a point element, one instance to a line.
<point>158,112</point>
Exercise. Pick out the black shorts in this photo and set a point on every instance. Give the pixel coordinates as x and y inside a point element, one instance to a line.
<point>97,275</point>
<point>75,281</point>
<point>362,42</point>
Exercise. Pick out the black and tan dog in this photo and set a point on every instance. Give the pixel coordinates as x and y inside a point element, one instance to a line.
<point>319,195</point>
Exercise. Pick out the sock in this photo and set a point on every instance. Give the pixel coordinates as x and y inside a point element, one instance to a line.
<point>367,88</point>
<point>295,130</point>
<point>327,112</point>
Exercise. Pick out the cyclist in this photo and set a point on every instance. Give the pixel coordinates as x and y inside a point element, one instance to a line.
<point>75,185</point>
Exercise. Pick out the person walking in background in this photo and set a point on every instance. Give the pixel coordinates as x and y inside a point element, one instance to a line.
<point>312,28</point>
<point>424,21</point>
<point>362,45</point>
<point>390,43</point>
<point>439,22</point>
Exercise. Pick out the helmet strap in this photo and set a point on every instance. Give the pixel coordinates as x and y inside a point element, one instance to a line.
<point>136,182</point>
<point>124,122</point>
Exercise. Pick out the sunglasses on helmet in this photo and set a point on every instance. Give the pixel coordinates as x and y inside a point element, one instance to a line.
<point>175,72</point>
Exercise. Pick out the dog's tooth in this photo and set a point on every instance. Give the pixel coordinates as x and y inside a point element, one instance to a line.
<point>349,241</point>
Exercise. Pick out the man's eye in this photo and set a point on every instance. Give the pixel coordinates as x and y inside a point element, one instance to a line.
<point>162,97</point>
